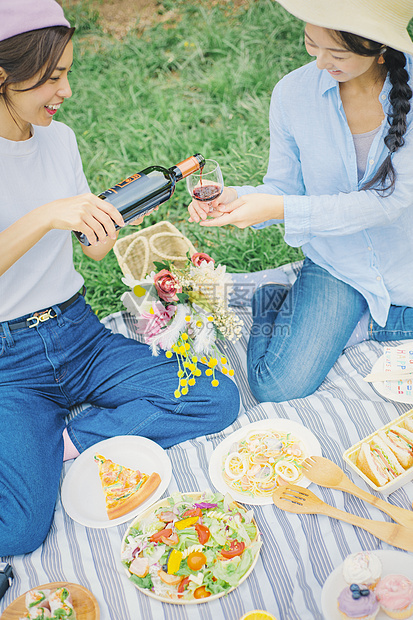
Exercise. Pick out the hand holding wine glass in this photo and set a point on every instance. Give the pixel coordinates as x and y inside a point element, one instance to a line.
<point>205,186</point>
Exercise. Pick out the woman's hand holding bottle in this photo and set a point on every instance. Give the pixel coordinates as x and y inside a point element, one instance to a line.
<point>86,213</point>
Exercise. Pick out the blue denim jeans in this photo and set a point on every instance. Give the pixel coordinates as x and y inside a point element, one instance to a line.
<point>73,359</point>
<point>299,333</point>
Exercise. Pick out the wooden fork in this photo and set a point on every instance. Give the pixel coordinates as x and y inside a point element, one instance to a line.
<point>296,499</point>
<point>324,472</point>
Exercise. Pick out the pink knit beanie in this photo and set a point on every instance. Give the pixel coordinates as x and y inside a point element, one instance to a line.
<point>17,16</point>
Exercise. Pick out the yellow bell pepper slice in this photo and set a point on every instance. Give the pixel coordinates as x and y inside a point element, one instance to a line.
<point>181,525</point>
<point>174,561</point>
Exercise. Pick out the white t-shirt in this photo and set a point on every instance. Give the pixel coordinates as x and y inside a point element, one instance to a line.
<point>33,172</point>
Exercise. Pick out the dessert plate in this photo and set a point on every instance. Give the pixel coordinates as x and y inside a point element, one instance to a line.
<point>394,562</point>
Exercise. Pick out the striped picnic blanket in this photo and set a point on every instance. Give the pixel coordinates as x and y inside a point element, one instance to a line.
<point>299,551</point>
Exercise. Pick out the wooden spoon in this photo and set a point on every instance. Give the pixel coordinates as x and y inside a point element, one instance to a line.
<point>302,501</point>
<point>324,472</point>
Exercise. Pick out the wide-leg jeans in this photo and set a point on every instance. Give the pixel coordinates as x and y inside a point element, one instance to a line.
<point>74,359</point>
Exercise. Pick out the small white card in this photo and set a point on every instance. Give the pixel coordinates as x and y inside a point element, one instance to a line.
<point>399,358</point>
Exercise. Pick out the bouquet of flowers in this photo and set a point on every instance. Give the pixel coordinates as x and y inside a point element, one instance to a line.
<point>184,311</point>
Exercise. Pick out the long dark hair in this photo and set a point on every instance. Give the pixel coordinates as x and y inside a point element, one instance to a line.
<point>26,54</point>
<point>400,94</point>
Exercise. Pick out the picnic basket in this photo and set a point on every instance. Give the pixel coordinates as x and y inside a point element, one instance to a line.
<point>137,252</point>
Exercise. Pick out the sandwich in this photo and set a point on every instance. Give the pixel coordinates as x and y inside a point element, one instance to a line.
<point>377,462</point>
<point>400,442</point>
<point>408,423</point>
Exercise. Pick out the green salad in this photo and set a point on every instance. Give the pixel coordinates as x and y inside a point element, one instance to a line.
<point>191,546</point>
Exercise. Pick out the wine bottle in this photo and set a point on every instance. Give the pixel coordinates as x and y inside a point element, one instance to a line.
<point>146,189</point>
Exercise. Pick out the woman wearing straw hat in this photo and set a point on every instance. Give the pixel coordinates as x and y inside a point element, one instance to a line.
<point>340,176</point>
<point>54,352</point>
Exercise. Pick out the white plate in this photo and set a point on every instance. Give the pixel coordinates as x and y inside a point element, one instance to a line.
<point>309,440</point>
<point>394,563</point>
<point>82,494</point>
<point>383,388</point>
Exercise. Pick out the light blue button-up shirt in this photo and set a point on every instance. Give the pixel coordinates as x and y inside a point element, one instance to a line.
<point>360,237</point>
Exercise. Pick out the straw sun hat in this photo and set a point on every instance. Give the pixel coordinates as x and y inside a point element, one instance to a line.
<point>384,21</point>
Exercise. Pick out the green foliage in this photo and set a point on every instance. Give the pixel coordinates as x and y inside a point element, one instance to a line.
<point>198,82</point>
<point>82,16</point>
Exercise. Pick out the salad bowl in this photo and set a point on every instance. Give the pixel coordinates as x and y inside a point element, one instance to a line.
<point>191,548</point>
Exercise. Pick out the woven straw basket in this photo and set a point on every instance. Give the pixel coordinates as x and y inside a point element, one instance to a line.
<point>162,241</point>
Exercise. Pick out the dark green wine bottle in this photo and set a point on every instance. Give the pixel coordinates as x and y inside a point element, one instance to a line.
<point>147,189</point>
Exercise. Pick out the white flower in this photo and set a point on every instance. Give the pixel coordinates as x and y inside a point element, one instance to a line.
<point>129,281</point>
<point>213,282</point>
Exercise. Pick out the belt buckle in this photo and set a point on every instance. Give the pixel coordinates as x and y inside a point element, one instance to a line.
<point>41,317</point>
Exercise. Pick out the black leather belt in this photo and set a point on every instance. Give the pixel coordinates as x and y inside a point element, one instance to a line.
<point>44,315</point>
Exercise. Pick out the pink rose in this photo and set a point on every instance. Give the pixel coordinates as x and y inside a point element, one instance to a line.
<point>200,257</point>
<point>167,285</point>
<point>151,324</point>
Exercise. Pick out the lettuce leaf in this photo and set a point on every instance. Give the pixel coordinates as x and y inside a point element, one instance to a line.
<point>232,570</point>
<point>142,582</point>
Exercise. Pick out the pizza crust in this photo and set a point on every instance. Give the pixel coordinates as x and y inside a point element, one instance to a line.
<point>136,499</point>
<point>119,480</point>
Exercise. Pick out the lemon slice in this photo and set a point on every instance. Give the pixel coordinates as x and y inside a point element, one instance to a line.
<point>258,614</point>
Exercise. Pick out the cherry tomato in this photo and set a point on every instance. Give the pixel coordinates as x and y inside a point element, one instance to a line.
<point>201,592</point>
<point>203,533</point>
<point>196,560</point>
<point>235,548</point>
<point>182,585</point>
<point>158,535</point>
<point>192,512</point>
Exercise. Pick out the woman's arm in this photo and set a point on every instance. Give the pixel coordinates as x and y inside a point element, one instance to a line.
<point>99,251</point>
<point>248,210</point>
<point>86,213</point>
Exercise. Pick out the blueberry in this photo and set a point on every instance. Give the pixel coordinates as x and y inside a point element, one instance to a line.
<point>356,595</point>
<point>365,592</point>
<point>354,587</point>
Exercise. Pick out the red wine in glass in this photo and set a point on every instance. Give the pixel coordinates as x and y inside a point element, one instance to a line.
<point>206,184</point>
<point>206,193</point>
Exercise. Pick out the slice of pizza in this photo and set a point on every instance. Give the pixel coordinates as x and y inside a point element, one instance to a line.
<point>124,488</point>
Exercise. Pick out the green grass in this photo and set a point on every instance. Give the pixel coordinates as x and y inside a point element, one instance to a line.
<point>200,82</point>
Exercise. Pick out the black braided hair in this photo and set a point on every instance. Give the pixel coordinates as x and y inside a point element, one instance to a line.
<point>400,94</point>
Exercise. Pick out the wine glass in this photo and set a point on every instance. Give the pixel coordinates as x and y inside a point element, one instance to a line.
<point>206,184</point>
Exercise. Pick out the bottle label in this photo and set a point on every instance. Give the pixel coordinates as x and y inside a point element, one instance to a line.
<point>123,183</point>
<point>188,166</point>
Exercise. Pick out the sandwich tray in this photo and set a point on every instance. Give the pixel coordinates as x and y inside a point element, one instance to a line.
<point>351,454</point>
